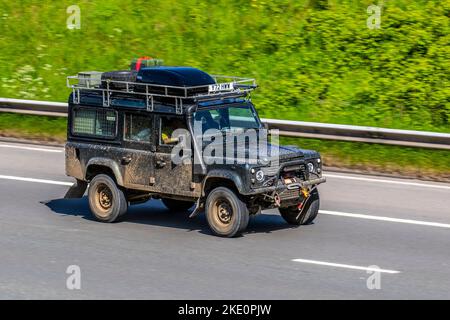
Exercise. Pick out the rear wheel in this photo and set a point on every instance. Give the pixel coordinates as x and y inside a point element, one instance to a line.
<point>106,201</point>
<point>177,205</point>
<point>227,215</point>
<point>306,215</point>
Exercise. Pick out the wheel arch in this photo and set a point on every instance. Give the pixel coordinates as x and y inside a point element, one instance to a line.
<point>222,178</point>
<point>102,165</point>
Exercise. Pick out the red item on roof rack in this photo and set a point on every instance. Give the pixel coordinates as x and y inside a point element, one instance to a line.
<point>145,61</point>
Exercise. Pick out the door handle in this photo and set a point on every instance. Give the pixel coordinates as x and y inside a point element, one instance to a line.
<point>126,160</point>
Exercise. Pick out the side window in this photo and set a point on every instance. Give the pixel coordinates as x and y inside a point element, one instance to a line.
<point>91,122</point>
<point>167,126</point>
<point>138,128</point>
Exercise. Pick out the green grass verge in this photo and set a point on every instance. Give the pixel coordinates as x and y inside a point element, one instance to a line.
<point>41,128</point>
<point>414,162</point>
<point>424,163</point>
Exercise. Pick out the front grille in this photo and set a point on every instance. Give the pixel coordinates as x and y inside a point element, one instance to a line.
<point>273,170</point>
<point>299,171</point>
<point>303,174</point>
<point>270,171</point>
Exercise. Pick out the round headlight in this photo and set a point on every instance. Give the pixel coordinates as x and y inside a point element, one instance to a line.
<point>310,167</point>
<point>260,175</point>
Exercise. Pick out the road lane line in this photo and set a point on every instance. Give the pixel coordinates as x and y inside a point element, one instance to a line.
<point>415,184</point>
<point>347,266</point>
<point>30,148</point>
<point>380,218</point>
<point>61,183</point>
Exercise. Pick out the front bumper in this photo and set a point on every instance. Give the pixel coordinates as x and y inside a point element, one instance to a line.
<point>295,192</point>
<point>284,188</point>
<point>305,184</point>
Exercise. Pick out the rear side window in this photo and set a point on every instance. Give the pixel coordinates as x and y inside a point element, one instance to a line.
<point>138,128</point>
<point>90,122</point>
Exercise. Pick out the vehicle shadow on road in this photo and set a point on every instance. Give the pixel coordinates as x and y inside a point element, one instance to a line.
<point>155,213</point>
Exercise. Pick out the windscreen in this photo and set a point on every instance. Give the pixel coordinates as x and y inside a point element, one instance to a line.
<point>231,118</point>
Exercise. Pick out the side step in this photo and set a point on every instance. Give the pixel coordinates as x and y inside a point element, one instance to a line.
<point>198,208</point>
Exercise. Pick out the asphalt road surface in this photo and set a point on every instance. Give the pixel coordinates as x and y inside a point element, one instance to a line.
<point>400,226</point>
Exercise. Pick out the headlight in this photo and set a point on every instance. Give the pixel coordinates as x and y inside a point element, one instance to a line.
<point>310,167</point>
<point>319,166</point>
<point>260,175</point>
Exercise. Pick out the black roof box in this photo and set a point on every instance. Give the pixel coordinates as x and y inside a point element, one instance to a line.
<point>175,76</point>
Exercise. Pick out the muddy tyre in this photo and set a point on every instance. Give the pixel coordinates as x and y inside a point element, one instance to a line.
<point>106,201</point>
<point>177,205</point>
<point>226,213</point>
<point>306,216</point>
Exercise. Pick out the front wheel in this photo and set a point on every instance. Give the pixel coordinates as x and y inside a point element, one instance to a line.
<point>227,215</point>
<point>306,215</point>
<point>106,201</point>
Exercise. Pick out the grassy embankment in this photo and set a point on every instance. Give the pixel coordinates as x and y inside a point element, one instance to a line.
<point>314,61</point>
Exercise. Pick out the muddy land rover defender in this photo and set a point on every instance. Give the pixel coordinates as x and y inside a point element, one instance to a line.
<point>124,142</point>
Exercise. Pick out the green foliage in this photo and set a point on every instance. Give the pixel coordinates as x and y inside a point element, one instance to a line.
<point>33,127</point>
<point>315,60</point>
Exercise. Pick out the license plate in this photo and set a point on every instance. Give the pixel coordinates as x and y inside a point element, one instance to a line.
<point>221,87</point>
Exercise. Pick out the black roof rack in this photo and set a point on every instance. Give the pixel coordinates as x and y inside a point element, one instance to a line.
<point>221,87</point>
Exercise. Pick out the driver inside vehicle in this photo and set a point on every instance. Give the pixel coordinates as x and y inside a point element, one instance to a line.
<point>168,126</point>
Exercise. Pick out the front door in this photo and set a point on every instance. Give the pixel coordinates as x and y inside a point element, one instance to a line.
<point>172,177</point>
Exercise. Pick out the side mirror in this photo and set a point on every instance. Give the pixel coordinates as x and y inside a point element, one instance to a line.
<point>266,126</point>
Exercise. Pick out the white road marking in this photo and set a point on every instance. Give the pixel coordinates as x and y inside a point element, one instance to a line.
<point>61,183</point>
<point>380,218</point>
<point>415,184</point>
<point>347,266</point>
<point>31,148</point>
